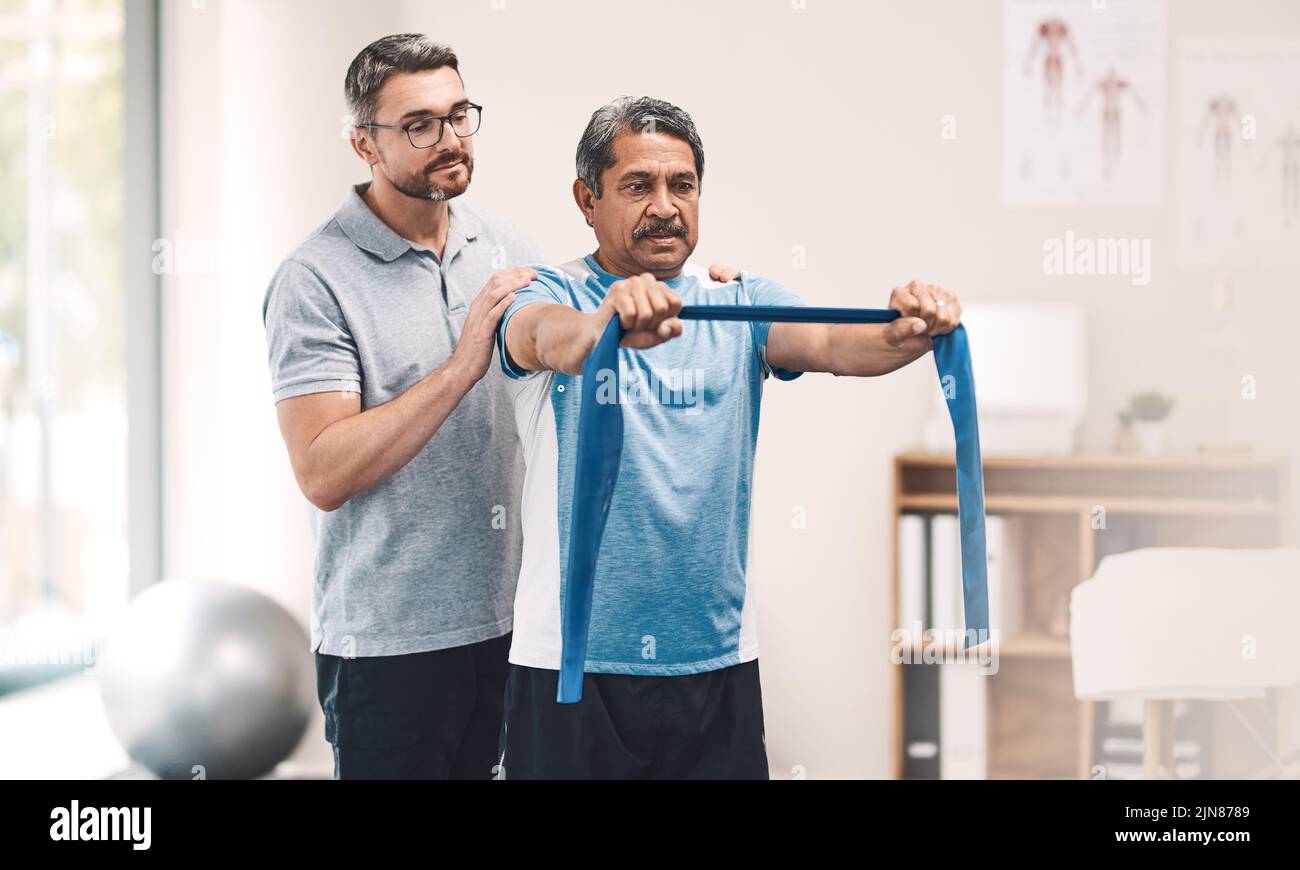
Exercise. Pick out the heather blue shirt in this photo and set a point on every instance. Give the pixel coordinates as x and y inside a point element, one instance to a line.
<point>670,593</point>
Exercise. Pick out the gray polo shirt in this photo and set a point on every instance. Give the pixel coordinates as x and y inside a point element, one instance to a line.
<point>429,558</point>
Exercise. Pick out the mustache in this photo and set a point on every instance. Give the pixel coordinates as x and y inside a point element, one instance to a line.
<point>441,164</point>
<point>659,228</point>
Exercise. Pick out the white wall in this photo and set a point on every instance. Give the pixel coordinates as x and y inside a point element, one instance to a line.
<point>254,159</point>
<point>874,194</point>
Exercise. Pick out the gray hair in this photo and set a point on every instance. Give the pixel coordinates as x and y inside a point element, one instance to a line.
<point>643,114</point>
<point>398,53</point>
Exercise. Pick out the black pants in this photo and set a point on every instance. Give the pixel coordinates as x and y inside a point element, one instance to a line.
<point>698,726</point>
<point>428,715</point>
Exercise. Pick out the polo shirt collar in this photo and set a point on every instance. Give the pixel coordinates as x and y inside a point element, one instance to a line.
<point>369,233</point>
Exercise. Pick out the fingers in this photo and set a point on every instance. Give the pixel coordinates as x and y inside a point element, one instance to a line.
<point>907,334</point>
<point>669,329</point>
<point>904,328</point>
<point>478,334</point>
<point>624,303</point>
<point>499,310</point>
<point>949,314</point>
<point>495,294</point>
<point>647,309</point>
<point>946,308</point>
<point>512,280</point>
<point>481,326</point>
<point>644,303</point>
<point>501,284</point>
<point>914,301</point>
<point>936,307</point>
<point>924,302</point>
<point>643,339</point>
<point>902,301</point>
<point>664,303</point>
<point>723,274</point>
<point>491,303</point>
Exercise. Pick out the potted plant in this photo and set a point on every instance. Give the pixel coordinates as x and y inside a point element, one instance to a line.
<point>1125,440</point>
<point>1148,411</point>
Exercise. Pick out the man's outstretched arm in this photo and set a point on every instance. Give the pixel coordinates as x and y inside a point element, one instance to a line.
<point>554,337</point>
<point>867,349</point>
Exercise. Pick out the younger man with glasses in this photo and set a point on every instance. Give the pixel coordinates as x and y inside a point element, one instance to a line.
<point>380,331</point>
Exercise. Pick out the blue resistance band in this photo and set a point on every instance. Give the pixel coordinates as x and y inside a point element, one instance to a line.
<point>600,449</point>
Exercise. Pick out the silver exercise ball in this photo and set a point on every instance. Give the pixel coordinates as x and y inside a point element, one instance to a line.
<point>204,679</point>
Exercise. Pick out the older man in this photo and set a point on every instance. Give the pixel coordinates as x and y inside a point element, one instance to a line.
<point>672,684</point>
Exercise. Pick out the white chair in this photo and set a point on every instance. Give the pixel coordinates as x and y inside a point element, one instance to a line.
<point>1194,623</point>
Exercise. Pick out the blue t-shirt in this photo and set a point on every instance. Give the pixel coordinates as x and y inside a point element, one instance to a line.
<point>670,594</point>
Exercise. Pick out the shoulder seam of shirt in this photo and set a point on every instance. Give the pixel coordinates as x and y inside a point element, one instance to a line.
<point>294,259</point>
<point>320,230</point>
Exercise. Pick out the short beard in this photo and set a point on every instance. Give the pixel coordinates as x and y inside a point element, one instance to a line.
<point>423,187</point>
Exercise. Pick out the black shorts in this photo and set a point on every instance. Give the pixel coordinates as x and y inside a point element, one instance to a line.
<point>697,726</point>
<point>427,715</point>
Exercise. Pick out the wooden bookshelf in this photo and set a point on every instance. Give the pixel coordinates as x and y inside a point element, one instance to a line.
<point>1036,727</point>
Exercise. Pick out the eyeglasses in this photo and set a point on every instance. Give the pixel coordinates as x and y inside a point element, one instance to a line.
<point>427,131</point>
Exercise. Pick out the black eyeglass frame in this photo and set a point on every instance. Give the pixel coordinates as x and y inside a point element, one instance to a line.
<point>442,125</point>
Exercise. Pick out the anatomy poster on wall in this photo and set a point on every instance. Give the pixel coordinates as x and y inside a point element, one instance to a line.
<point>1238,140</point>
<point>1084,85</point>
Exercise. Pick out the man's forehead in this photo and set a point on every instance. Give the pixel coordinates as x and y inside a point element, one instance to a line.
<point>653,152</point>
<point>436,91</point>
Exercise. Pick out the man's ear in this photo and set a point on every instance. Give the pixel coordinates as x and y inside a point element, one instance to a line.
<point>363,145</point>
<point>585,199</point>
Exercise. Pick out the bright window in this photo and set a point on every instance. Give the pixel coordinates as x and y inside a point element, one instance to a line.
<point>63,405</point>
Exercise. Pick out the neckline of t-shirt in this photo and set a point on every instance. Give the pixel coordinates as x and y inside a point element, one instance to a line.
<point>608,278</point>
